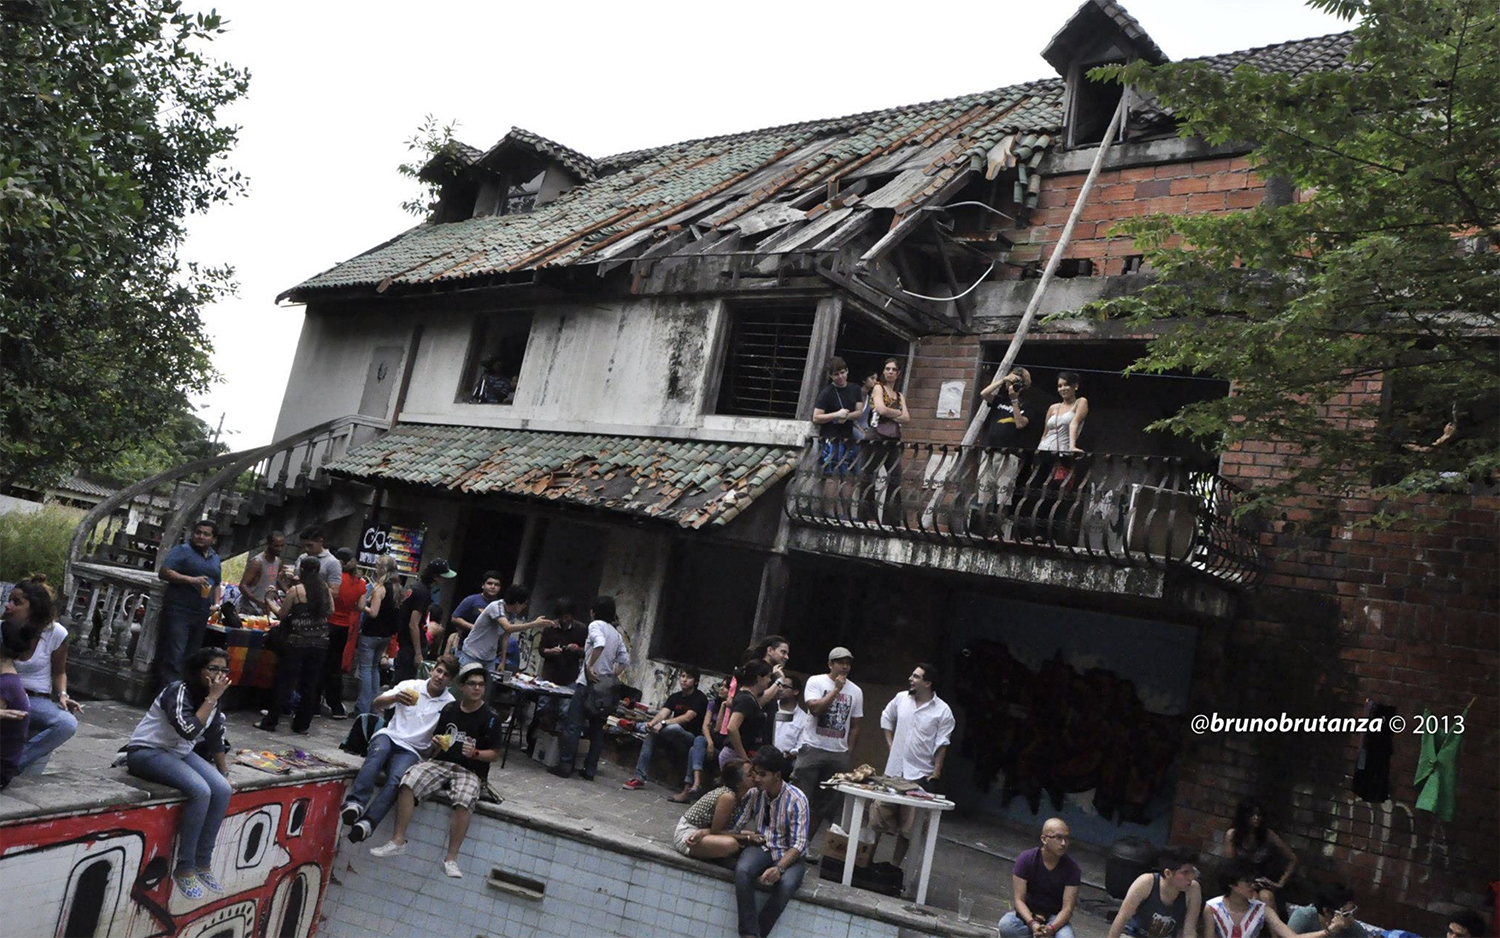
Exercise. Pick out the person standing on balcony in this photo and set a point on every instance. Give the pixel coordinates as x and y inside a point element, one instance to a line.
<point>412,614</point>
<point>299,662</point>
<point>1065,419</point>
<point>328,564</point>
<point>260,576</point>
<point>999,463</point>
<point>888,413</point>
<point>192,572</point>
<point>837,408</point>
<point>377,628</point>
<point>347,600</point>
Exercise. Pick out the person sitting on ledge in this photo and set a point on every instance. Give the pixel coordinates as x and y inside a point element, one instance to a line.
<point>678,724</point>
<point>707,830</point>
<point>1162,904</point>
<point>1330,901</point>
<point>466,742</point>
<point>1239,914</point>
<point>1466,923</point>
<point>182,729</point>
<point>397,747</point>
<point>1044,887</point>
<point>777,812</point>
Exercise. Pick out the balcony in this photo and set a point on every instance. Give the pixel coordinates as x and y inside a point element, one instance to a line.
<point>1100,521</point>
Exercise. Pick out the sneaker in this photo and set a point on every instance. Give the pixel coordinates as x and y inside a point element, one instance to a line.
<point>339,715</point>
<point>351,812</point>
<point>634,784</point>
<point>586,776</point>
<point>451,868</point>
<point>210,883</point>
<point>187,884</point>
<point>360,832</point>
<point>561,772</point>
<point>390,849</point>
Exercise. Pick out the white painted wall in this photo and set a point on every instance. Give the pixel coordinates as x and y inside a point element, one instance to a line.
<point>636,367</point>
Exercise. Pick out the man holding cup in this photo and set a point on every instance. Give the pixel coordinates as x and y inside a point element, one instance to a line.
<point>397,746</point>
<point>192,574</point>
<point>466,742</point>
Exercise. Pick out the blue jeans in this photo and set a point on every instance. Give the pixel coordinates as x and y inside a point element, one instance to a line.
<point>466,658</point>
<point>383,754</point>
<point>367,665</point>
<point>677,737</point>
<point>567,746</point>
<point>50,727</point>
<point>754,861</point>
<point>179,634</point>
<point>207,800</point>
<point>1011,926</point>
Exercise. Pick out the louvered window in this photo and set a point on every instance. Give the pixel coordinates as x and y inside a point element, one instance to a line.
<point>764,361</point>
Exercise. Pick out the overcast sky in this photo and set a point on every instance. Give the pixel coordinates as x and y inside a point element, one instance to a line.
<point>337,88</point>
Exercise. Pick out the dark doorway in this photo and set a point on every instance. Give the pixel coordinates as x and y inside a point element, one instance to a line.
<point>492,541</point>
<point>709,604</point>
<point>864,345</point>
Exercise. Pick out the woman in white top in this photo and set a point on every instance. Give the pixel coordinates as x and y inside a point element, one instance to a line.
<point>1065,419</point>
<point>45,677</point>
<point>1238,914</point>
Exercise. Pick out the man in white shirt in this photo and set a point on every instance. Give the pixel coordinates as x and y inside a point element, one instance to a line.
<point>398,746</point>
<point>918,727</point>
<point>605,659</point>
<point>836,704</point>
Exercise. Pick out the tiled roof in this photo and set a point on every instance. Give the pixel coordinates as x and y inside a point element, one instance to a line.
<point>581,166</point>
<point>709,184</point>
<point>82,486</point>
<point>686,482</point>
<point>1079,30</point>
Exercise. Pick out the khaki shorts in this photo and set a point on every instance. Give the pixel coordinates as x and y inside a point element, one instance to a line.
<point>426,779</point>
<point>681,834</point>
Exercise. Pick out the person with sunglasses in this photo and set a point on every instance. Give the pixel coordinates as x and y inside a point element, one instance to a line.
<point>465,742</point>
<point>182,730</point>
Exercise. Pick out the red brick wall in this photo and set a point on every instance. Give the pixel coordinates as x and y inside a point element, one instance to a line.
<point>1407,616</point>
<point>1214,185</point>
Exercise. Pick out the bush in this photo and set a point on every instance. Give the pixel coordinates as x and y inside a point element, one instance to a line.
<point>37,542</point>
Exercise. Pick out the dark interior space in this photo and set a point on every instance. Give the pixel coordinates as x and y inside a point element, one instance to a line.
<point>864,345</point>
<point>1120,406</point>
<point>492,541</point>
<point>708,604</point>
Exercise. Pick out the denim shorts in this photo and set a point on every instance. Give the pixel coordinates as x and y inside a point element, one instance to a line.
<point>838,456</point>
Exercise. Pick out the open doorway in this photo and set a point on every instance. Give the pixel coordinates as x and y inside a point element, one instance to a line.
<point>492,541</point>
<point>864,345</point>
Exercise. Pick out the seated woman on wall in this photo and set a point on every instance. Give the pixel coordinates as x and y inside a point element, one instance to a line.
<point>44,675</point>
<point>708,830</point>
<point>1257,846</point>
<point>1238,914</point>
<point>181,731</point>
<point>28,612</point>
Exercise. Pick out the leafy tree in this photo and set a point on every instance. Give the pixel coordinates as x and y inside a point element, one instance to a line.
<point>436,160</point>
<point>1384,266</point>
<point>178,437</point>
<point>109,137</point>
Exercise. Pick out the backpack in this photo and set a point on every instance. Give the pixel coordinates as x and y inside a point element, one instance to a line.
<point>364,727</point>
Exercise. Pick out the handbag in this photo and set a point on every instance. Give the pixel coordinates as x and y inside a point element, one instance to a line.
<point>603,695</point>
<point>886,429</point>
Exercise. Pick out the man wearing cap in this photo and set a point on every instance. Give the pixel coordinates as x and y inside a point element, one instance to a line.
<point>775,813</point>
<point>465,742</point>
<point>836,704</point>
<point>348,598</point>
<point>412,614</point>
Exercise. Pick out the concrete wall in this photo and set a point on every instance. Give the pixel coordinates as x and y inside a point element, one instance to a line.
<point>594,885</point>
<point>333,359</point>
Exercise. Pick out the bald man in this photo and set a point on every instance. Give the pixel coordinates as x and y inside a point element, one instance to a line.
<point>1044,888</point>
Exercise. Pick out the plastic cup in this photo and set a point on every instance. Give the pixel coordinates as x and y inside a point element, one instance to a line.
<point>965,907</point>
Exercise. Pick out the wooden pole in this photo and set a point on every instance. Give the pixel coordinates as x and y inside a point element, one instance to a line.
<point>972,434</point>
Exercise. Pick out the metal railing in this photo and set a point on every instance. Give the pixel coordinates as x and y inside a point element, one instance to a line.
<point>1129,510</point>
<point>112,593</point>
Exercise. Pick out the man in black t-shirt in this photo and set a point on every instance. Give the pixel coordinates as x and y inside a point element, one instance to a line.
<point>1002,430</point>
<point>834,413</point>
<point>678,723</point>
<point>411,615</point>
<point>466,741</point>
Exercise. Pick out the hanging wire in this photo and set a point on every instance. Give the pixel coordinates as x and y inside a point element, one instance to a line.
<point>1034,366</point>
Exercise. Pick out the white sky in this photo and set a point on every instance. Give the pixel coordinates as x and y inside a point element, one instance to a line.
<point>338,87</point>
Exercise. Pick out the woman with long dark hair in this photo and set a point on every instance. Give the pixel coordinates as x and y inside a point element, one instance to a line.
<point>299,665</point>
<point>45,674</point>
<point>181,731</point>
<point>887,414</point>
<point>709,830</point>
<point>376,629</point>
<point>28,611</point>
<point>1257,847</point>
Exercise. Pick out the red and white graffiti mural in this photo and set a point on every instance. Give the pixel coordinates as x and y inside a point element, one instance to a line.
<point>106,873</point>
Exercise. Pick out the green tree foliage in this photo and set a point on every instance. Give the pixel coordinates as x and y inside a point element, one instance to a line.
<point>178,437</point>
<point>109,138</point>
<point>1383,268</point>
<point>37,542</point>
<point>435,160</point>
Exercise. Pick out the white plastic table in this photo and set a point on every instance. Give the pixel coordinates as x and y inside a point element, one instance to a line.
<point>929,813</point>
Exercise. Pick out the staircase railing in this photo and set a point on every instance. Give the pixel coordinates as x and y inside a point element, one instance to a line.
<point>112,591</point>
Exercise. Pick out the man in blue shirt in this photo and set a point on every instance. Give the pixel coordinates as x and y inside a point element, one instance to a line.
<point>466,613</point>
<point>192,574</point>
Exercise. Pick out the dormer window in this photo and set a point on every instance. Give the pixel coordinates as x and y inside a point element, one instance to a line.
<point>525,171</point>
<point>1100,33</point>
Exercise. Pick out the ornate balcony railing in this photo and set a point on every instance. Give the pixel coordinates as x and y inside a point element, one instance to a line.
<point>1129,510</point>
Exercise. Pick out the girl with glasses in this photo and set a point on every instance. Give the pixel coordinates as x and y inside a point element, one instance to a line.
<point>173,743</point>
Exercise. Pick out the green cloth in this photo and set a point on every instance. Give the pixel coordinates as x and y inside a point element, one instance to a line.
<point>1437,771</point>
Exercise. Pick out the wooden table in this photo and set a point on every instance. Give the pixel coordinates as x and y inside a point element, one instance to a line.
<point>929,813</point>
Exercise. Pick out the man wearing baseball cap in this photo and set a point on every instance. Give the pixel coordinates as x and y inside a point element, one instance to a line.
<point>412,614</point>
<point>836,704</point>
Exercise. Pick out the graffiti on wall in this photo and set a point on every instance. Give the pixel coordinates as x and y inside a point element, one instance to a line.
<point>1058,731</point>
<point>1385,824</point>
<point>107,873</point>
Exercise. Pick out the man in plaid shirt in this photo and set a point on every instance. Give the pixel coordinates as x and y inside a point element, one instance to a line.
<point>776,813</point>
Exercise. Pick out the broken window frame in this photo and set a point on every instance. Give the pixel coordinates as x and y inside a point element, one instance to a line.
<point>487,327</point>
<point>789,354</point>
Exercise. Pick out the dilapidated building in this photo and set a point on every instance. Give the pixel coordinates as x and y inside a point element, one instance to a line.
<point>595,375</point>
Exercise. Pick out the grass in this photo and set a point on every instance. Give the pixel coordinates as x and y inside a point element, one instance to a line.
<point>37,542</point>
